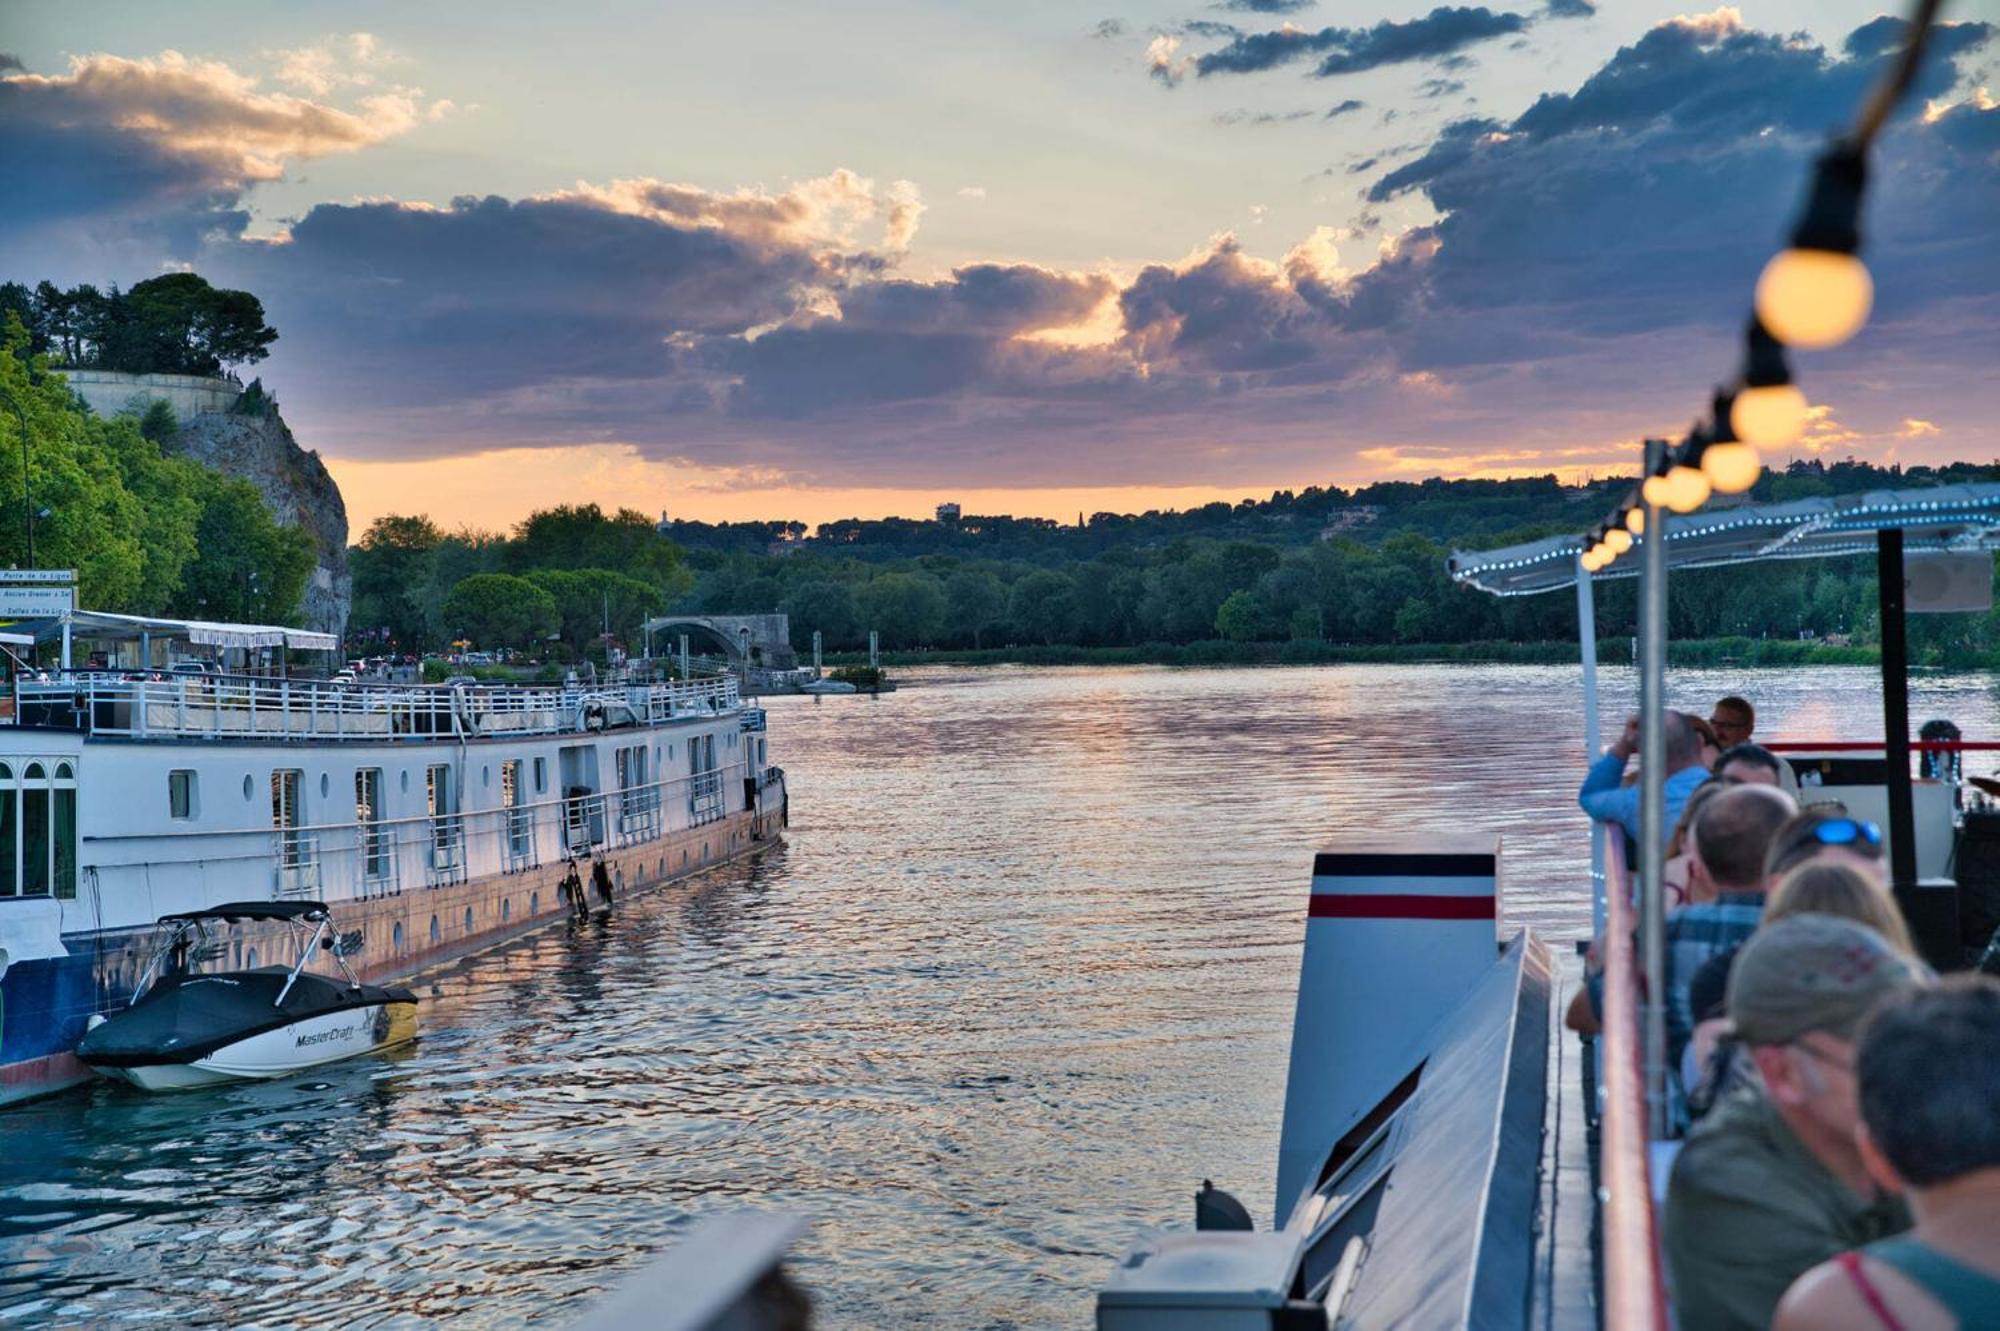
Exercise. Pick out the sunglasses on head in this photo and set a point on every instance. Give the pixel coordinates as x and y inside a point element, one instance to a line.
<point>1846,831</point>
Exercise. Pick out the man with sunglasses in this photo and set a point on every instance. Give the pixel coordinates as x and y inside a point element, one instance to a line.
<point>1771,1183</point>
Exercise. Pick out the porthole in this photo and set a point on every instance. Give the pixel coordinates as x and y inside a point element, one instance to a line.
<point>396,936</point>
<point>468,919</point>
<point>325,785</point>
<point>506,909</point>
<point>249,787</point>
<point>406,781</point>
<point>436,933</point>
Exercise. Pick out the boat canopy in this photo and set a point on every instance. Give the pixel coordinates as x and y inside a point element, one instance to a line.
<point>100,625</point>
<point>1932,518</point>
<point>232,911</point>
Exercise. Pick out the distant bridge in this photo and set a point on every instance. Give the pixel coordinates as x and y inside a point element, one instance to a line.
<point>761,642</point>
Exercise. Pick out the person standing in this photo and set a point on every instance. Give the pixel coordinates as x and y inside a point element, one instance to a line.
<point>1605,796</point>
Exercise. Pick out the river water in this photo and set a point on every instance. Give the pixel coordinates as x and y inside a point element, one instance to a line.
<point>1021,978</point>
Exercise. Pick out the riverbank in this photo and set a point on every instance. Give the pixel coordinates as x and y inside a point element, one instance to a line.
<point>1610,651</point>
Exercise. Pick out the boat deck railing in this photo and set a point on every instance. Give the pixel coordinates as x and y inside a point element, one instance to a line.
<point>129,705</point>
<point>1635,1290</point>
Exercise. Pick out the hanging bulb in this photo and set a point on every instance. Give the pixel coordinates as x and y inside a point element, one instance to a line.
<point>1635,520</point>
<point>1687,488</point>
<point>1589,561</point>
<point>1731,468</point>
<point>1655,491</point>
<point>1816,293</point>
<point>1618,541</point>
<point>1814,298</point>
<point>1771,417</point>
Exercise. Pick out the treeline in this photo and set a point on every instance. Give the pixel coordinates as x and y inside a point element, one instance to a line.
<point>1320,568</point>
<point>563,578</point>
<point>173,324</point>
<point>147,532</point>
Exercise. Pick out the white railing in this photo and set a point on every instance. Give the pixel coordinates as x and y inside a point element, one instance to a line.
<point>178,707</point>
<point>298,864</point>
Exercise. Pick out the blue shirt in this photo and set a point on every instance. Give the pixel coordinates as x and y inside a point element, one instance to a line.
<point>1693,935</point>
<point>1608,801</point>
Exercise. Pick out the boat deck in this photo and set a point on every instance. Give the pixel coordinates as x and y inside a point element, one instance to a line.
<point>1564,1292</point>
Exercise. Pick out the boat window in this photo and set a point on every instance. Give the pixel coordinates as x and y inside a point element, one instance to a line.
<point>541,775</point>
<point>35,772</point>
<point>63,772</point>
<point>249,786</point>
<point>6,772</point>
<point>180,793</point>
<point>35,875</point>
<point>10,875</point>
<point>369,835</point>
<point>65,842</point>
<point>435,934</point>
<point>468,919</point>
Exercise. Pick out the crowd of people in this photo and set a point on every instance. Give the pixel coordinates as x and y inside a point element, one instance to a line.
<point>1837,1106</point>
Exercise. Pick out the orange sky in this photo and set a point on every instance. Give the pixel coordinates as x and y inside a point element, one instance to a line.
<point>495,490</point>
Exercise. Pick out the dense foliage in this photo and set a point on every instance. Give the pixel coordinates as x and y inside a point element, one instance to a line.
<point>147,532</point>
<point>569,572</point>
<point>172,324</point>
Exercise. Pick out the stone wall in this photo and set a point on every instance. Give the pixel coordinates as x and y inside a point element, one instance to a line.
<point>111,391</point>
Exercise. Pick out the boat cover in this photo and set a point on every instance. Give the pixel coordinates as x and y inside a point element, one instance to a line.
<point>310,911</point>
<point>1939,517</point>
<point>183,1018</point>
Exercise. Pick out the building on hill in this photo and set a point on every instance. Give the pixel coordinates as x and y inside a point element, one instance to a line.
<point>1341,521</point>
<point>238,432</point>
<point>947,512</point>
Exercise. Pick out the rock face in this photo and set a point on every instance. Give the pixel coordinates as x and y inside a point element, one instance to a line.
<point>260,449</point>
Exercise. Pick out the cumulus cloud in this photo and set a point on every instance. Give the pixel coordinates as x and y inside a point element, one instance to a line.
<point>354,60</point>
<point>166,146</point>
<point>1439,34</point>
<point>1160,61</point>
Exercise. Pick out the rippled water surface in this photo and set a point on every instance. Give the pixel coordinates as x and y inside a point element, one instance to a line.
<point>1021,978</point>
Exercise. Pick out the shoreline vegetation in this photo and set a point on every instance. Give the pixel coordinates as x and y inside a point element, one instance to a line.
<point>1706,652</point>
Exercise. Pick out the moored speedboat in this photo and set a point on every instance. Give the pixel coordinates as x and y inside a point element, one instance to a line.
<point>186,1029</point>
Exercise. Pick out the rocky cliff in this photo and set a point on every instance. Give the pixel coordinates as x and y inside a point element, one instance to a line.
<point>259,448</point>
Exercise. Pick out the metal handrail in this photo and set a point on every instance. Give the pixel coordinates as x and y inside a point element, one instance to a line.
<point>1635,1290</point>
<point>315,710</point>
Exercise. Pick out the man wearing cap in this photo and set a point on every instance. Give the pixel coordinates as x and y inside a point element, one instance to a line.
<point>1771,1182</point>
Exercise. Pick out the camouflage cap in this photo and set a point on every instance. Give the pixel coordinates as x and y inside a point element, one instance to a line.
<point>1814,973</point>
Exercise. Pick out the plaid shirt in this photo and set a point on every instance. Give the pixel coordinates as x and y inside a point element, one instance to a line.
<point>1693,935</point>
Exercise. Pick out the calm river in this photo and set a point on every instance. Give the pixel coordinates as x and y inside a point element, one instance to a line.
<point>1022,977</point>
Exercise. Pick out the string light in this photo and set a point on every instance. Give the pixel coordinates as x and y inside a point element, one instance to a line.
<point>1687,488</point>
<point>1655,491</point>
<point>1635,520</point>
<point>1769,411</point>
<point>1731,465</point>
<point>1817,293</point>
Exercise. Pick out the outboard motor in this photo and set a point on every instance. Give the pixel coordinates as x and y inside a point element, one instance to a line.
<point>1216,1209</point>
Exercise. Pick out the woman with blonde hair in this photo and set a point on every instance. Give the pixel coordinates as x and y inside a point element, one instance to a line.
<point>1817,887</point>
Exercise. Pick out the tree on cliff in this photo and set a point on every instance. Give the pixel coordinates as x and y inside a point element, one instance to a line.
<point>172,324</point>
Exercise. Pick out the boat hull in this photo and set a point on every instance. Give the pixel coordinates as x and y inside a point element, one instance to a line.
<point>295,1047</point>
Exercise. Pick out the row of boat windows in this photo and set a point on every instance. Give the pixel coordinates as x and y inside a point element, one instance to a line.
<point>440,800</point>
<point>38,829</point>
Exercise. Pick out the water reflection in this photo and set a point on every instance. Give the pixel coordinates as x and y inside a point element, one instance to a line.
<point>1021,978</point>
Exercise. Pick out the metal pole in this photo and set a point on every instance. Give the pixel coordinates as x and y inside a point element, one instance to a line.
<point>684,656</point>
<point>874,650</point>
<point>1593,739</point>
<point>1653,796</point>
<point>816,642</point>
<point>1896,708</point>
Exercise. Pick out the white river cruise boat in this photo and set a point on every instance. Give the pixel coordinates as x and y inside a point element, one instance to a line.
<point>437,819</point>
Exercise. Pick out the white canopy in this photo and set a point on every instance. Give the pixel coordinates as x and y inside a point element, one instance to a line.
<point>1945,517</point>
<point>99,624</point>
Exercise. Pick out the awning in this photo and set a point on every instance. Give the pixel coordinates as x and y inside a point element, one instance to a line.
<point>1937,518</point>
<point>102,626</point>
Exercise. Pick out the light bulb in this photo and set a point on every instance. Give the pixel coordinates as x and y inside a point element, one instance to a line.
<point>1618,540</point>
<point>1769,417</point>
<point>1635,521</point>
<point>1732,468</point>
<point>1814,298</point>
<point>1588,559</point>
<point>1655,491</point>
<point>1687,488</point>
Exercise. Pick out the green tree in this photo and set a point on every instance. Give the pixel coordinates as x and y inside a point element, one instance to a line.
<point>588,600</point>
<point>1042,606</point>
<point>500,610</point>
<point>392,568</point>
<point>158,422</point>
<point>247,569</point>
<point>974,603</point>
<point>906,608</point>
<point>1240,618</point>
<point>823,605</point>
<point>581,536</point>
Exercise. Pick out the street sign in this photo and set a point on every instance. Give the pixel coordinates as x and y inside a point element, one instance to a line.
<point>36,593</point>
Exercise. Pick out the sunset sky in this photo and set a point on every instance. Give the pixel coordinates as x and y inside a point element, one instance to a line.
<point>811,261</point>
